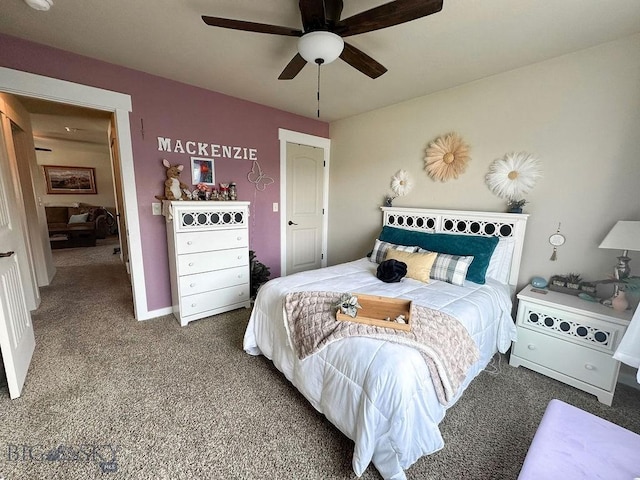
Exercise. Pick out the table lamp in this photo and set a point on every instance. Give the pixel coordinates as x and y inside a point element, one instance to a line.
<point>625,236</point>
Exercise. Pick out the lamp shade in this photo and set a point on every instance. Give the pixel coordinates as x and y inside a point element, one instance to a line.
<point>624,235</point>
<point>320,47</point>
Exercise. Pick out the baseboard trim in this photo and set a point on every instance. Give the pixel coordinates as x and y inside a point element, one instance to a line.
<point>161,312</point>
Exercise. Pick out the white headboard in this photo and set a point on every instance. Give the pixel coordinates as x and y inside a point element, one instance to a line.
<point>483,224</point>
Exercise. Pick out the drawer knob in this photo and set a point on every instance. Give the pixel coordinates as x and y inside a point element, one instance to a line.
<point>241,294</point>
<point>189,242</point>
<point>588,366</point>
<point>239,257</point>
<point>191,264</point>
<point>192,285</point>
<point>239,238</point>
<point>193,305</point>
<point>531,347</point>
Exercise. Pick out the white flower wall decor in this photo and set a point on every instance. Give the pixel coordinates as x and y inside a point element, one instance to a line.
<point>513,175</point>
<point>447,157</point>
<point>401,183</point>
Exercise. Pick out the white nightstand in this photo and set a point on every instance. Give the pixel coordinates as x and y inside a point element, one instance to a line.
<point>569,339</point>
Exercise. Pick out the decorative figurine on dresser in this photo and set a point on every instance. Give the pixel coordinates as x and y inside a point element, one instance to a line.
<point>569,339</point>
<point>208,246</point>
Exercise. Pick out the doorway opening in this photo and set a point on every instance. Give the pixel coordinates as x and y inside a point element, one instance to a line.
<point>69,141</point>
<point>119,105</point>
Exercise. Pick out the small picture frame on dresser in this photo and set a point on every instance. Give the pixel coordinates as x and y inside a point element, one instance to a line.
<point>202,171</point>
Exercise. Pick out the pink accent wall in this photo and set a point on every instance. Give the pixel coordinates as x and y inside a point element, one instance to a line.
<point>179,111</point>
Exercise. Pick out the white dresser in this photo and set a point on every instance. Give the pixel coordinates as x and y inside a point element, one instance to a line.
<point>208,257</point>
<point>569,339</point>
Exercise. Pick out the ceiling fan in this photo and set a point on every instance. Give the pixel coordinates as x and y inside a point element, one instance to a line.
<point>321,41</point>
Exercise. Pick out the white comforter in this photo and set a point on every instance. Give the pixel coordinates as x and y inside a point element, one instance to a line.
<point>378,393</point>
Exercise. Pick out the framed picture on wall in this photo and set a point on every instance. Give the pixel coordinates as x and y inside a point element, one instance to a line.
<point>202,171</point>
<point>70,179</point>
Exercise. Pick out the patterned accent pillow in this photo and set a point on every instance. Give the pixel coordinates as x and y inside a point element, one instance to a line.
<point>380,250</point>
<point>450,268</point>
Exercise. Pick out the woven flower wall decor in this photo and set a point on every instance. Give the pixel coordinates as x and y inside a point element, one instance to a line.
<point>513,175</point>
<point>447,157</point>
<point>401,183</point>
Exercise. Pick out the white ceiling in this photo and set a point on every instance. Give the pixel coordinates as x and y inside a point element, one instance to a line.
<point>466,41</point>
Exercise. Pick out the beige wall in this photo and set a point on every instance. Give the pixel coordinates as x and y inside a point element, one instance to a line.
<point>78,154</point>
<point>579,113</point>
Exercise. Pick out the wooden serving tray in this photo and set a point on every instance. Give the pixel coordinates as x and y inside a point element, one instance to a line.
<point>376,309</point>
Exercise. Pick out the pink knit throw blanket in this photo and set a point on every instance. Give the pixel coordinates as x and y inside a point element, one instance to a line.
<point>444,343</point>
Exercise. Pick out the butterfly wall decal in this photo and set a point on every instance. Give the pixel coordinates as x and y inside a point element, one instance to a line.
<point>258,177</point>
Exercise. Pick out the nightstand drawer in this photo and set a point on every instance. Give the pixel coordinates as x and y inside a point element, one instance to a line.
<point>593,367</point>
<point>572,327</point>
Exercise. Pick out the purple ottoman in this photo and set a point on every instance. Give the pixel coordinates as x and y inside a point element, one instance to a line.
<point>573,444</point>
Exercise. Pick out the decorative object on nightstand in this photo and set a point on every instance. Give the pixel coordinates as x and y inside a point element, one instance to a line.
<point>569,283</point>
<point>625,236</point>
<point>570,340</point>
<point>539,282</point>
<point>512,176</point>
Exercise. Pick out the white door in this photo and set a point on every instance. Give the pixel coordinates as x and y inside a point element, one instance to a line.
<point>304,209</point>
<point>17,340</point>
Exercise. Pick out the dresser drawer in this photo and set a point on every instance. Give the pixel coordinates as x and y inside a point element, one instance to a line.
<point>192,242</point>
<point>203,282</point>
<point>206,261</point>
<point>583,363</point>
<point>201,302</point>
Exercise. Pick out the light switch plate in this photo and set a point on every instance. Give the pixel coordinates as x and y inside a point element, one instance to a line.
<point>156,208</point>
<point>275,207</point>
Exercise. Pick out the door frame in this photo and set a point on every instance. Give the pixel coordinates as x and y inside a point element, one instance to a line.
<point>46,88</point>
<point>303,139</point>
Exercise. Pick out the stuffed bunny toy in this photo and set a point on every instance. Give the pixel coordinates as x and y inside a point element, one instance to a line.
<point>174,189</point>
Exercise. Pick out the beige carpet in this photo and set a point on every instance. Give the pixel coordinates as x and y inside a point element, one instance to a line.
<point>109,397</point>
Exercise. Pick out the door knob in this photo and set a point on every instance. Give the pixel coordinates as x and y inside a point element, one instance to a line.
<point>291,223</point>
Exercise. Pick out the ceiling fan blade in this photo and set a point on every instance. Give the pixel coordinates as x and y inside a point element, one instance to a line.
<point>251,26</point>
<point>293,68</point>
<point>361,61</point>
<point>387,15</point>
<point>313,15</point>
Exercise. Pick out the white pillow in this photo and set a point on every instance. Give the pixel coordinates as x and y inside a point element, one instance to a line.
<point>80,218</point>
<point>500,263</point>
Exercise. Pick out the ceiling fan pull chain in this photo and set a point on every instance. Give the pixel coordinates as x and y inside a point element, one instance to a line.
<point>318,94</point>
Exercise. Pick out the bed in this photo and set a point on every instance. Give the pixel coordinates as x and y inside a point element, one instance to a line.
<point>377,392</point>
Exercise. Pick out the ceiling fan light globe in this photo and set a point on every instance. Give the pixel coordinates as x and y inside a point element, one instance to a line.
<point>325,46</point>
<point>42,5</point>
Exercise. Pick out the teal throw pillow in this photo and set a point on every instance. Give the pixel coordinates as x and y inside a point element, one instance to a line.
<point>481,248</point>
